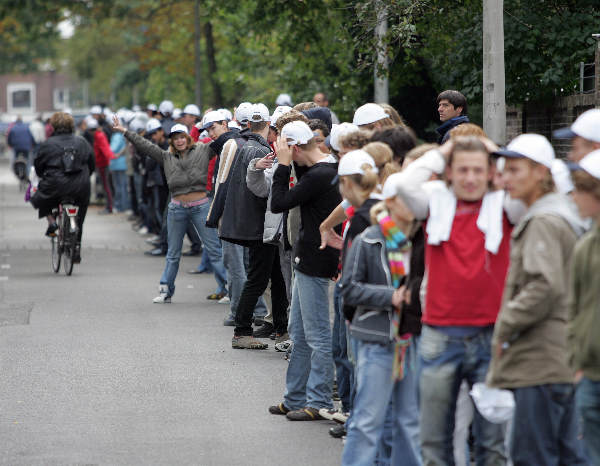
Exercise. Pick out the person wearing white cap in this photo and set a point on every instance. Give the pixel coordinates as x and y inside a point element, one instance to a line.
<point>151,110</point>
<point>530,351</point>
<point>371,116</point>
<point>584,308</point>
<point>337,131</point>
<point>242,113</point>
<point>190,115</point>
<point>310,371</point>
<point>99,113</point>
<point>165,110</point>
<point>283,100</point>
<point>584,134</point>
<point>375,284</point>
<point>186,169</point>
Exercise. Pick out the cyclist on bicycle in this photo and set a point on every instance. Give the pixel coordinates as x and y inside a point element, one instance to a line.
<point>64,164</point>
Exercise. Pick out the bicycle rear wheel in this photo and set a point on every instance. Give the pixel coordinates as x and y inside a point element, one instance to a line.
<point>69,246</point>
<point>56,254</point>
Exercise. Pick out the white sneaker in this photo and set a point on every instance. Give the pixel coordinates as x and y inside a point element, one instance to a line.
<point>283,346</point>
<point>143,231</point>
<point>162,298</point>
<point>224,300</point>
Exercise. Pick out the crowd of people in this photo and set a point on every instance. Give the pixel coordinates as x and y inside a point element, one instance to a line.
<point>395,276</point>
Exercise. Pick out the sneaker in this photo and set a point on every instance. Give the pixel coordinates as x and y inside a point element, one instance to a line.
<point>304,414</point>
<point>51,231</point>
<point>283,346</point>
<point>247,342</point>
<point>337,431</point>
<point>143,231</point>
<point>163,295</point>
<point>281,337</point>
<point>229,321</point>
<point>153,239</point>
<point>340,417</point>
<point>327,413</point>
<point>224,300</point>
<point>259,321</point>
<point>279,409</point>
<point>263,331</point>
<point>273,336</point>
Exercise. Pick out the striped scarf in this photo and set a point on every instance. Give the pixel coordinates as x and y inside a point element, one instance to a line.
<point>396,245</point>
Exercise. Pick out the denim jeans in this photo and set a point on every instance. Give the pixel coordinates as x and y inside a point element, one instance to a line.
<point>344,370</point>
<point>384,427</point>
<point>178,219</point>
<point>235,259</point>
<point>545,426</point>
<point>445,361</point>
<point>588,408</point>
<point>119,178</point>
<point>309,377</point>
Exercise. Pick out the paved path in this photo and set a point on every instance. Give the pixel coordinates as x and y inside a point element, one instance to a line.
<point>92,373</point>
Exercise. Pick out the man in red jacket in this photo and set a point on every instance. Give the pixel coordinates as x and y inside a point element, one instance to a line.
<point>103,156</point>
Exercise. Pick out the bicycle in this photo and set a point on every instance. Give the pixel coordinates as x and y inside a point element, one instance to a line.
<point>64,243</point>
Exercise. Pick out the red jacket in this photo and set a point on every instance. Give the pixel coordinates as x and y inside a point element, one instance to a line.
<point>102,149</point>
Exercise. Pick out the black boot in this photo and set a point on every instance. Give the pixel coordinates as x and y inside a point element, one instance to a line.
<point>77,255</point>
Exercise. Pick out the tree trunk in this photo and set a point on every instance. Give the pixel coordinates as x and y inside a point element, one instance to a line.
<point>212,65</point>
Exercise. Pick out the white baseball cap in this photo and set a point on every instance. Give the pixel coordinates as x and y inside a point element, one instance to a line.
<point>178,128</point>
<point>177,113</point>
<point>586,126</point>
<point>212,117</point>
<point>153,125</point>
<point>369,113</point>
<point>278,112</point>
<point>91,122</point>
<point>283,100</point>
<point>152,107</point>
<point>191,109</point>
<point>136,108</point>
<point>166,106</point>
<point>233,125</point>
<point>353,161</point>
<point>242,112</point>
<point>338,131</point>
<point>532,146</point>
<point>562,176</point>
<point>96,110</point>
<point>259,112</point>
<point>297,132</point>
<point>136,125</point>
<point>591,163</point>
<point>226,113</point>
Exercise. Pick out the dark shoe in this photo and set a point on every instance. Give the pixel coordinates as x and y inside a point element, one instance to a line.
<point>247,342</point>
<point>77,255</point>
<point>157,252</point>
<point>259,321</point>
<point>273,336</point>
<point>304,414</point>
<point>215,296</point>
<point>279,409</point>
<point>229,321</point>
<point>191,252</point>
<point>264,331</point>
<point>338,431</point>
<point>51,231</point>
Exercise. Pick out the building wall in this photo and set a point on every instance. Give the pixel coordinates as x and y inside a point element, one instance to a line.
<point>45,83</point>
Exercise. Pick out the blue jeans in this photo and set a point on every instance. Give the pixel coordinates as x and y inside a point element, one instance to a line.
<point>445,361</point>
<point>588,407</point>
<point>119,178</point>
<point>309,377</point>
<point>344,370</point>
<point>178,219</point>
<point>545,426</point>
<point>384,426</point>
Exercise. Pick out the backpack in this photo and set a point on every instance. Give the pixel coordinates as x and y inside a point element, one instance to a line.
<point>70,161</point>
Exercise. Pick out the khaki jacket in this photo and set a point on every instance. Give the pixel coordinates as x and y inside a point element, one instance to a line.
<point>533,318</point>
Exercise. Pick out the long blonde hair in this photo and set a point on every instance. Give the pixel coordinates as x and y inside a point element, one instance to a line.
<point>384,159</point>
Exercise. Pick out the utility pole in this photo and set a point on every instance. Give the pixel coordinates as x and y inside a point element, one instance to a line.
<point>494,103</point>
<point>197,64</point>
<point>381,64</point>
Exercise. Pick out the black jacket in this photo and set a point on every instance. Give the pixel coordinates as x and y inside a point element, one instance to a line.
<point>243,217</point>
<point>444,130</point>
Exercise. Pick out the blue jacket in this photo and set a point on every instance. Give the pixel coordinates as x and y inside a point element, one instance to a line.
<point>20,137</point>
<point>117,146</point>
<point>444,130</point>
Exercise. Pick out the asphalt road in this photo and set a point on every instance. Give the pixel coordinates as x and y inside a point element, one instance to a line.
<point>93,373</point>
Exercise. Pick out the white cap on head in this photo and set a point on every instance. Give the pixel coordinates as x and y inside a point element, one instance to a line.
<point>136,125</point>
<point>177,113</point>
<point>586,126</point>
<point>283,99</point>
<point>340,130</point>
<point>96,110</point>
<point>166,106</point>
<point>233,124</point>
<point>152,107</point>
<point>91,122</point>
<point>591,163</point>
<point>212,117</point>
<point>369,113</point>
<point>259,113</point>
<point>191,109</point>
<point>153,125</point>
<point>226,113</point>
<point>353,161</point>
<point>532,146</point>
<point>136,108</point>
<point>278,112</point>
<point>107,112</point>
<point>561,176</point>
<point>297,132</point>
<point>178,128</point>
<point>243,111</point>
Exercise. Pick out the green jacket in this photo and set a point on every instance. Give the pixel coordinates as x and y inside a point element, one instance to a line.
<point>584,306</point>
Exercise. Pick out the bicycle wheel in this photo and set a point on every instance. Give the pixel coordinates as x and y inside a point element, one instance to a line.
<point>69,246</point>
<point>56,253</point>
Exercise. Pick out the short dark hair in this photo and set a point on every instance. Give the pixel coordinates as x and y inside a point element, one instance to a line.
<point>455,98</point>
<point>400,139</point>
<point>316,124</point>
<point>256,126</point>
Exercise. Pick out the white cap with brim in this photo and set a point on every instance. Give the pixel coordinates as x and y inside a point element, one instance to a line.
<point>153,125</point>
<point>586,126</point>
<point>177,113</point>
<point>259,113</point>
<point>152,107</point>
<point>278,112</point>
<point>338,131</point>
<point>191,109</point>
<point>353,161</point>
<point>91,122</point>
<point>178,128</point>
<point>369,113</point>
<point>283,100</point>
<point>562,176</point>
<point>590,164</point>
<point>226,113</point>
<point>297,132</point>
<point>165,107</point>
<point>532,146</point>
<point>212,117</point>
<point>243,111</point>
<point>96,110</point>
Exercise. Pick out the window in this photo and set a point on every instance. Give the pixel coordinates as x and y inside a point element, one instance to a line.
<point>20,98</point>
<point>61,99</point>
